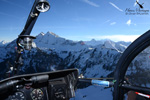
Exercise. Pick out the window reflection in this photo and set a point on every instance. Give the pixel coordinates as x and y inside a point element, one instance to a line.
<point>138,74</point>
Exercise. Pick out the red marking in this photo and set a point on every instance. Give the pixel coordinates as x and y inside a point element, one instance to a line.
<point>82,43</point>
<point>144,95</point>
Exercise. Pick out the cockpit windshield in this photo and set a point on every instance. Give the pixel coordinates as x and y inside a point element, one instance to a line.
<point>86,36</point>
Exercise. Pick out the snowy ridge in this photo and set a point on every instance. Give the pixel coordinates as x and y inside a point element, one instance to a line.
<point>52,41</point>
<point>3,43</point>
<point>113,45</point>
<point>119,46</point>
<point>94,42</point>
<point>53,52</point>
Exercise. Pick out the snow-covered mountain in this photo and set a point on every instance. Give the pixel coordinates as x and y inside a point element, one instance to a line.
<point>107,43</point>
<point>53,52</point>
<point>3,43</point>
<point>52,41</point>
<point>94,42</point>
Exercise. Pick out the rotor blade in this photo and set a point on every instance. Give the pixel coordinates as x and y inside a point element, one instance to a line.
<point>136,2</point>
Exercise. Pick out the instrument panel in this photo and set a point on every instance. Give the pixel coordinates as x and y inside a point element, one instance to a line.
<point>58,85</point>
<point>29,94</point>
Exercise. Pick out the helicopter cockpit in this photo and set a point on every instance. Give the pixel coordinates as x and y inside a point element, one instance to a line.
<point>126,83</point>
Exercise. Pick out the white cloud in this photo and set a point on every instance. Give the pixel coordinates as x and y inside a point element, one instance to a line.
<point>107,21</point>
<point>113,23</point>
<point>128,22</point>
<point>115,6</point>
<point>116,38</point>
<point>91,3</point>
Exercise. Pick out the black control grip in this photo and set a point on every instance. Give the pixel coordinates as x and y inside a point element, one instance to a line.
<point>7,86</point>
<point>39,79</point>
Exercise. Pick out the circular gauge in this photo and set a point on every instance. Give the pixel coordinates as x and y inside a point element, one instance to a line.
<point>18,96</point>
<point>43,6</point>
<point>37,94</point>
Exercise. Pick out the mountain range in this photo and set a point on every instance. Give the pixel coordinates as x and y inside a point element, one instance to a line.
<point>93,59</point>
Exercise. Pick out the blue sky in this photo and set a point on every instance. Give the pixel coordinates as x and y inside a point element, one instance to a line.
<point>77,19</point>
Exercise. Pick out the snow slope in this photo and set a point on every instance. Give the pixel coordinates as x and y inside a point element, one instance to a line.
<point>119,46</point>
<point>54,42</point>
<point>93,93</point>
<point>97,59</point>
<point>3,43</point>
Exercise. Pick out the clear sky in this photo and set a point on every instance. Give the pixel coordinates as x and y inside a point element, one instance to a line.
<point>77,19</point>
